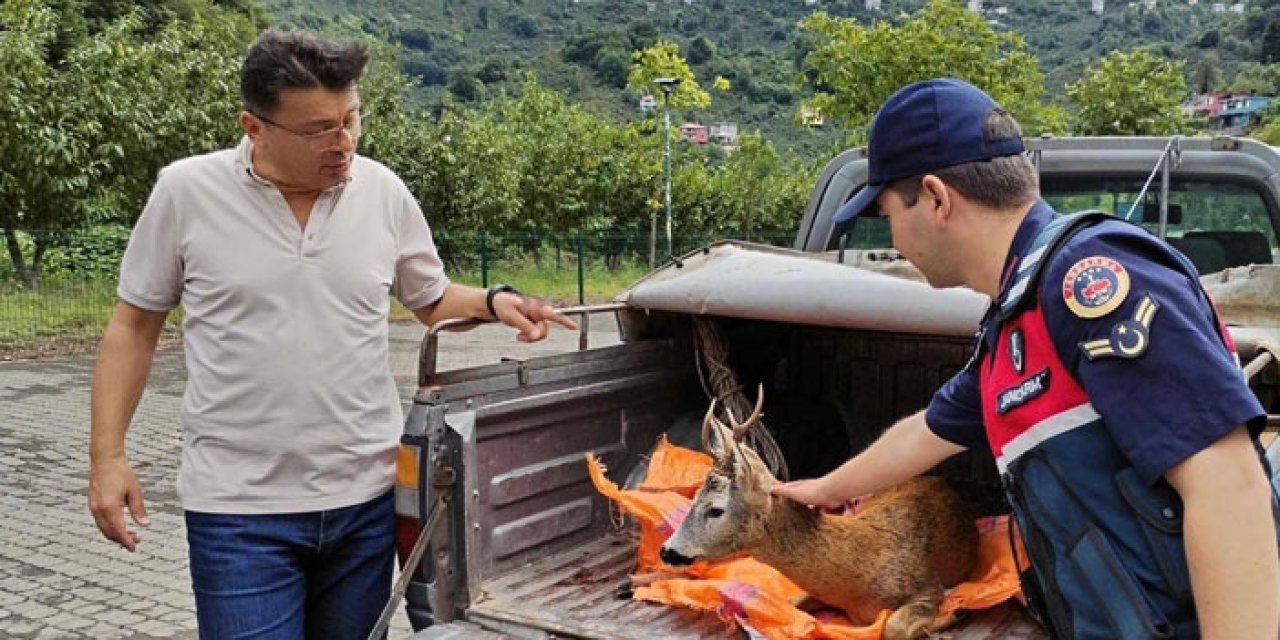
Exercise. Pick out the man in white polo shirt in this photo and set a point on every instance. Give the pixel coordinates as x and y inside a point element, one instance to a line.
<point>283,253</point>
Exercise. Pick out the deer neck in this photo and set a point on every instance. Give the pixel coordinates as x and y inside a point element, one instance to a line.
<point>794,532</point>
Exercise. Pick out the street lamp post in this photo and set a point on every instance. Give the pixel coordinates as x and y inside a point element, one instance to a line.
<point>667,84</point>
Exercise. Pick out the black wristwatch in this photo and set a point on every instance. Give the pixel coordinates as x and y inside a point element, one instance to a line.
<point>493,293</point>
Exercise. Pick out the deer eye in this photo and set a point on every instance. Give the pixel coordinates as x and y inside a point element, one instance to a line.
<point>715,512</point>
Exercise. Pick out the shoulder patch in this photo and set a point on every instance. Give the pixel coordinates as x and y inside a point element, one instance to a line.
<point>1095,286</point>
<point>1129,338</point>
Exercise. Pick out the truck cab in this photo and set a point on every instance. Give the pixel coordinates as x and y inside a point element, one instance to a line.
<point>843,335</point>
<point>1218,194</point>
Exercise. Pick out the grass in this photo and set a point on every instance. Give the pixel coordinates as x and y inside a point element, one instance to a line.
<point>68,317</point>
<point>58,317</point>
<point>560,286</point>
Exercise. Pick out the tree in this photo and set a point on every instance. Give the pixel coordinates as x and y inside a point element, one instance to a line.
<point>663,60</point>
<point>1271,43</point>
<point>1129,93</point>
<point>853,69</point>
<point>613,66</point>
<point>1262,79</point>
<point>577,171</point>
<point>757,191</point>
<point>84,134</point>
<point>1208,73</point>
<point>642,35</point>
<point>701,50</point>
<point>464,85</point>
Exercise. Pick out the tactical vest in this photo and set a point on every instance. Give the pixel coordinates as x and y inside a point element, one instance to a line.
<point>1106,549</point>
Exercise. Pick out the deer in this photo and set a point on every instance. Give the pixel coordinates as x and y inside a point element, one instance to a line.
<point>897,552</point>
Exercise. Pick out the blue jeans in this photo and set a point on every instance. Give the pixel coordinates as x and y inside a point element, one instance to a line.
<point>320,574</point>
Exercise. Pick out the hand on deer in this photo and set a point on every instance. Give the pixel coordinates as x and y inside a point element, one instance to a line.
<point>815,492</point>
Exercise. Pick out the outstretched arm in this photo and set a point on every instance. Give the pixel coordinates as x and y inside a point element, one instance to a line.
<point>1230,539</point>
<point>528,315</point>
<point>905,450</point>
<point>124,362</point>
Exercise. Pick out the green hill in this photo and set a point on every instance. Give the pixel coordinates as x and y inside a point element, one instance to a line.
<point>470,49</point>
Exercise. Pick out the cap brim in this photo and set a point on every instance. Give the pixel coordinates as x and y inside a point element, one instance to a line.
<point>859,204</point>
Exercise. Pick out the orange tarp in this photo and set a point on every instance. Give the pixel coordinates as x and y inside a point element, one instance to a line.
<point>749,592</point>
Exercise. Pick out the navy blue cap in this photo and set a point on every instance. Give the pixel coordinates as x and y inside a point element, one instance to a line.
<point>924,127</point>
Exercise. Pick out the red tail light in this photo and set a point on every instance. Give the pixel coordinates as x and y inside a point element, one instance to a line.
<point>407,530</point>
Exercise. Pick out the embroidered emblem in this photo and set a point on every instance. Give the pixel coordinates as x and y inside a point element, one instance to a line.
<point>1129,338</point>
<point>1025,392</point>
<point>1094,287</point>
<point>1016,350</point>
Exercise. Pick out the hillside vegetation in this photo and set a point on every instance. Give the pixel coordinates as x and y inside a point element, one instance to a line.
<point>468,50</point>
<point>520,117</point>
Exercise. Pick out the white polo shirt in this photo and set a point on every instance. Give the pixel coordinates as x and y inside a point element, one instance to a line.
<point>290,404</point>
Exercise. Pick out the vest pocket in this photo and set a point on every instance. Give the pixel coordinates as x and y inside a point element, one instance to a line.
<point>1114,591</point>
<point>1159,510</point>
<point>1103,596</point>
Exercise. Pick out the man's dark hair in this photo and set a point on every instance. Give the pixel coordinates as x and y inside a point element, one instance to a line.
<point>999,183</point>
<point>279,61</point>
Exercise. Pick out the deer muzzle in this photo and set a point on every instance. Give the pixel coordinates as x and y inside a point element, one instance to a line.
<point>674,558</point>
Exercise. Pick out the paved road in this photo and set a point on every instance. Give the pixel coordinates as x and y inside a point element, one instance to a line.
<point>58,577</point>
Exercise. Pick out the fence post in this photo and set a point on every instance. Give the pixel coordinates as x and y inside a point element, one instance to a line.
<point>484,259</point>
<point>581,269</point>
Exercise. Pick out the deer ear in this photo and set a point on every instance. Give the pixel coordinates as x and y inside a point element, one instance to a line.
<point>717,439</point>
<point>726,444</point>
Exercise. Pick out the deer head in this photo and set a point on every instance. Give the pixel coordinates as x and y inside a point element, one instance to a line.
<point>728,512</point>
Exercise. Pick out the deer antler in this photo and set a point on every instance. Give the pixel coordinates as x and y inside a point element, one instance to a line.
<point>740,430</point>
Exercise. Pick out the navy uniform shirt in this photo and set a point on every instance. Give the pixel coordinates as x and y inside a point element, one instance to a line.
<point>1147,350</point>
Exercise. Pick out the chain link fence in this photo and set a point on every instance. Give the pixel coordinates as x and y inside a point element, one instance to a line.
<point>76,292</point>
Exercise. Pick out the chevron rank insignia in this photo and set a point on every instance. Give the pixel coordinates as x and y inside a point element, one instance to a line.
<point>1129,338</point>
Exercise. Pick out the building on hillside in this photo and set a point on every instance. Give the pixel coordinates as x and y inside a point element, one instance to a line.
<point>975,6</point>
<point>1237,7</point>
<point>1098,6</point>
<point>1238,112</point>
<point>694,132</point>
<point>1204,106</point>
<point>873,5</point>
<point>724,133</point>
<point>648,103</point>
<point>811,117</point>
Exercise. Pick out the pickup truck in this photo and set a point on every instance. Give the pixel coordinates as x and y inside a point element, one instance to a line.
<point>842,333</point>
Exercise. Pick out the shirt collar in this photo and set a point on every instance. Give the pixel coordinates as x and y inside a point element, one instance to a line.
<point>1040,215</point>
<point>244,167</point>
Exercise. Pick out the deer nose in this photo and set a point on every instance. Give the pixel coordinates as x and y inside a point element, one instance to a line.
<point>674,558</point>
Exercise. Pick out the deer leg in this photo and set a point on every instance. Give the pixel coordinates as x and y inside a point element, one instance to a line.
<point>915,618</point>
<point>626,589</point>
<point>808,603</point>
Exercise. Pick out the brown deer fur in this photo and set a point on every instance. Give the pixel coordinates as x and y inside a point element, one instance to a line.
<point>897,552</point>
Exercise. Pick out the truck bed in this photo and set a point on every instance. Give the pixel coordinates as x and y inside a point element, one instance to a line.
<point>576,594</point>
<point>529,551</point>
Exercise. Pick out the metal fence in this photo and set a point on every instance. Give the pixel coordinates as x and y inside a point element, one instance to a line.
<point>483,253</point>
<point>75,299</point>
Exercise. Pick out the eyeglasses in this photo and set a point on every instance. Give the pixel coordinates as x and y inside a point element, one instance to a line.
<point>321,140</point>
